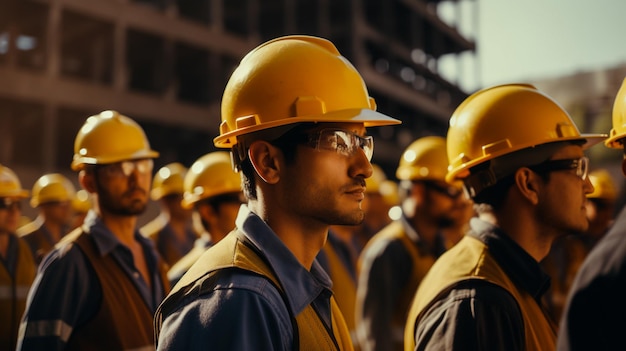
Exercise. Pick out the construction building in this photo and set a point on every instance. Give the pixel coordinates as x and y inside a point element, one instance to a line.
<point>165,64</point>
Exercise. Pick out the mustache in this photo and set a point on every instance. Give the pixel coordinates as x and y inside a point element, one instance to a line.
<point>131,190</point>
<point>358,182</point>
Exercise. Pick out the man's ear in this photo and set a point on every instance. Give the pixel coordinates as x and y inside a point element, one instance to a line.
<point>87,180</point>
<point>265,159</point>
<point>528,184</point>
<point>624,165</point>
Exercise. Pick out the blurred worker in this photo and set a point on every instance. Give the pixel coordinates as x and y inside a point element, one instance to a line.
<point>396,259</point>
<point>213,191</point>
<point>17,266</point>
<point>100,286</point>
<point>600,207</point>
<point>81,204</point>
<point>376,209</point>
<point>52,196</point>
<point>294,115</point>
<point>521,160</point>
<point>171,230</point>
<point>594,313</point>
<point>338,257</point>
<point>569,252</point>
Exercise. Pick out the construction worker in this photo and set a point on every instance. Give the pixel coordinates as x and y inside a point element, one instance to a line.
<point>594,312</point>
<point>600,207</point>
<point>52,196</point>
<point>17,266</point>
<point>338,258</point>
<point>100,286</point>
<point>81,204</point>
<point>213,191</point>
<point>294,114</point>
<point>171,230</point>
<point>396,259</point>
<point>521,160</point>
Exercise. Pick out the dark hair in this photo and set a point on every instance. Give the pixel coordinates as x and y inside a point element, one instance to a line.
<point>286,143</point>
<point>497,193</point>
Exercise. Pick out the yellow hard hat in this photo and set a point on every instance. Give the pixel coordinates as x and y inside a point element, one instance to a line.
<point>81,202</point>
<point>424,159</point>
<point>294,79</point>
<point>619,119</point>
<point>10,185</point>
<point>50,188</point>
<point>209,176</point>
<point>110,137</point>
<point>603,185</point>
<point>372,184</point>
<point>168,180</point>
<point>504,119</point>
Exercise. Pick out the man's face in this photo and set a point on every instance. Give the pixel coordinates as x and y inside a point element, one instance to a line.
<point>10,211</point>
<point>123,187</point>
<point>561,205</point>
<point>326,183</point>
<point>59,212</point>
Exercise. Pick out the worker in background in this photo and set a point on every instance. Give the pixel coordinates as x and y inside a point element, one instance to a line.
<point>17,266</point>
<point>338,258</point>
<point>569,252</point>
<point>527,175</point>
<point>594,313</point>
<point>171,230</point>
<point>81,204</point>
<point>100,286</point>
<point>396,259</point>
<point>52,196</point>
<point>376,208</point>
<point>294,115</point>
<point>212,190</point>
<point>600,207</point>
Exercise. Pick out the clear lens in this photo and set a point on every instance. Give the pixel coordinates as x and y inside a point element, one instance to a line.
<point>126,168</point>
<point>343,142</point>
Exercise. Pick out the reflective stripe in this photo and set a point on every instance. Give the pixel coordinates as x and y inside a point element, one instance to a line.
<point>21,292</point>
<point>56,328</point>
<point>143,348</point>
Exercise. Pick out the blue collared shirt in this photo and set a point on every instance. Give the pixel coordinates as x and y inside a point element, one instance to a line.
<point>245,311</point>
<point>66,293</point>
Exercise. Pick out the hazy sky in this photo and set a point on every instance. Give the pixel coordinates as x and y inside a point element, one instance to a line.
<point>536,39</point>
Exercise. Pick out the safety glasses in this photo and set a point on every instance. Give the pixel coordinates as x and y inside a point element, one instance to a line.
<point>341,141</point>
<point>449,191</point>
<point>581,165</point>
<point>126,168</point>
<point>7,203</point>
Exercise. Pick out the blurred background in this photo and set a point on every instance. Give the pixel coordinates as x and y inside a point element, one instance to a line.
<point>165,63</point>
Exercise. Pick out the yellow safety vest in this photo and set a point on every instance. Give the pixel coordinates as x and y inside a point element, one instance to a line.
<point>235,251</point>
<point>471,259</point>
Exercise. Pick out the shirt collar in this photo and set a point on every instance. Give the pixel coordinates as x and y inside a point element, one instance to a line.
<point>104,239</point>
<point>300,285</point>
<point>518,264</point>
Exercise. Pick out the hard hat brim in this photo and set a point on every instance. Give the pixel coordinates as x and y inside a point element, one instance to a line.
<point>80,162</point>
<point>463,170</point>
<point>369,118</point>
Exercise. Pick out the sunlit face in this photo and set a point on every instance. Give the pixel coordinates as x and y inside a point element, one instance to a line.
<point>443,203</point>
<point>10,211</point>
<point>122,189</point>
<point>325,185</point>
<point>562,200</point>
